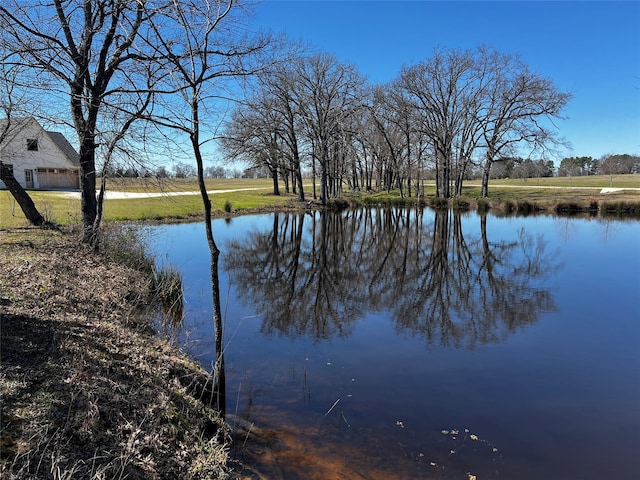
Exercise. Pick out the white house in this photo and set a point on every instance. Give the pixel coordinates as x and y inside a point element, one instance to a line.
<point>40,159</point>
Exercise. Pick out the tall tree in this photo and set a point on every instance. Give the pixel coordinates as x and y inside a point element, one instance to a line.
<point>517,105</point>
<point>441,90</point>
<point>201,49</point>
<point>279,85</point>
<point>328,92</point>
<point>90,49</point>
<point>254,133</point>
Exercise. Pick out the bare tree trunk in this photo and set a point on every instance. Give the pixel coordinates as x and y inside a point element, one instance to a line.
<point>274,177</point>
<point>485,179</point>
<point>22,197</point>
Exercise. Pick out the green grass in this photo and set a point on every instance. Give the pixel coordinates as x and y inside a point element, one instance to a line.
<point>543,192</point>
<point>593,181</point>
<point>184,184</point>
<point>66,211</point>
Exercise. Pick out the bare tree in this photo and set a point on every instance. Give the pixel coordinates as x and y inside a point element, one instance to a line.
<point>202,49</point>
<point>439,89</point>
<point>327,92</point>
<point>471,100</point>
<point>618,165</point>
<point>279,84</point>
<point>515,107</point>
<point>255,133</point>
<point>89,52</point>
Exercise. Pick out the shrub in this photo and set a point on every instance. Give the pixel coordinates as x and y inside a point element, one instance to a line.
<point>568,208</point>
<point>483,205</point>
<point>227,206</point>
<point>525,207</point>
<point>438,203</point>
<point>626,209</point>
<point>461,205</point>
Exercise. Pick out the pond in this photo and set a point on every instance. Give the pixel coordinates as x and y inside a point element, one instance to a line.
<point>397,344</point>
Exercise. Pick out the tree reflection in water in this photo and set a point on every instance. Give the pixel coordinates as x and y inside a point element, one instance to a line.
<point>317,274</point>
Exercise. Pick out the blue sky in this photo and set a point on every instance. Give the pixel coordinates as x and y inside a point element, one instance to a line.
<point>590,49</point>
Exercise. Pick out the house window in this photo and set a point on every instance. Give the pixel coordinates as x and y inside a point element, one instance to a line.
<point>32,144</point>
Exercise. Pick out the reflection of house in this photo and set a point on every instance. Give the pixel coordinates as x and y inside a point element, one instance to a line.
<point>39,159</point>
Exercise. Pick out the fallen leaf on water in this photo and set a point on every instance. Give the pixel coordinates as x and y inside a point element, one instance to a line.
<point>445,432</point>
<point>473,437</point>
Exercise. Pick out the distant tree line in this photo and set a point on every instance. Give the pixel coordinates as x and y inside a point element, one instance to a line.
<point>618,164</point>
<point>178,170</point>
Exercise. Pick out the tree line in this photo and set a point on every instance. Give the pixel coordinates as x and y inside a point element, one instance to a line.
<point>614,164</point>
<point>448,118</point>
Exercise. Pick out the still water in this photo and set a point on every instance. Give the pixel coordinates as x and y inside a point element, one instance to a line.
<point>399,344</point>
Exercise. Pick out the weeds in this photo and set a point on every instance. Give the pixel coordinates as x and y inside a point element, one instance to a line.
<point>337,204</point>
<point>568,208</point>
<point>621,209</point>
<point>524,207</point>
<point>168,288</point>
<point>125,244</point>
<point>509,207</point>
<point>438,203</point>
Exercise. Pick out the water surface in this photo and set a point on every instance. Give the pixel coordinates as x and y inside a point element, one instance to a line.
<point>413,344</point>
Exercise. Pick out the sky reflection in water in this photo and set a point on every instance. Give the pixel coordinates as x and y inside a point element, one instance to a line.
<point>517,337</point>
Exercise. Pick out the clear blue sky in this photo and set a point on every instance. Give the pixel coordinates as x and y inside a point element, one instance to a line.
<point>590,49</point>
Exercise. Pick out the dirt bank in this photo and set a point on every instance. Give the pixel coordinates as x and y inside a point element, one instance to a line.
<point>88,390</point>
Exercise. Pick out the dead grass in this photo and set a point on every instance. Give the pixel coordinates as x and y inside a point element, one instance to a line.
<point>88,391</point>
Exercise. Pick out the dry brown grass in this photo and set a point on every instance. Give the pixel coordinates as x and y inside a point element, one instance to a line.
<point>88,391</point>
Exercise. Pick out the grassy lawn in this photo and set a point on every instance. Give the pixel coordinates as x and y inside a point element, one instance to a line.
<point>65,210</point>
<point>595,181</point>
<point>185,184</point>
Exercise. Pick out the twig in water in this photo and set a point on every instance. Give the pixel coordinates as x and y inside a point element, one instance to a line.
<point>238,399</point>
<point>332,406</point>
<point>344,418</point>
<point>247,437</point>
